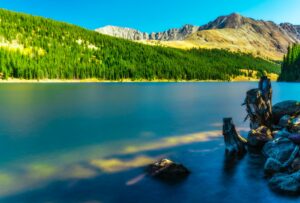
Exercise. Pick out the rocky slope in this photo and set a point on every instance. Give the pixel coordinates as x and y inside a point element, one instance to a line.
<point>233,32</point>
<point>132,34</point>
<point>126,33</point>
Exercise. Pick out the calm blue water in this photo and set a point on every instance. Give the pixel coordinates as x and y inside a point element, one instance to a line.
<point>90,142</point>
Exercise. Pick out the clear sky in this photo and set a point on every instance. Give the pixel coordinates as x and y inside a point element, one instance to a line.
<point>154,15</point>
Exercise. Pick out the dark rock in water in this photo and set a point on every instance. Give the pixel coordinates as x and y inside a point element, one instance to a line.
<point>295,138</point>
<point>286,183</point>
<point>282,149</point>
<point>259,136</point>
<point>281,134</point>
<point>295,165</point>
<point>168,170</point>
<point>291,108</point>
<point>235,144</point>
<point>273,166</point>
<point>285,121</point>
<point>295,124</point>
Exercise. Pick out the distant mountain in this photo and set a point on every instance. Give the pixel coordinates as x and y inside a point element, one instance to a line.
<point>132,34</point>
<point>233,32</point>
<point>125,33</point>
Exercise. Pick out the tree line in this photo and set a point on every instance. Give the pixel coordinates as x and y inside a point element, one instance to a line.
<point>291,64</point>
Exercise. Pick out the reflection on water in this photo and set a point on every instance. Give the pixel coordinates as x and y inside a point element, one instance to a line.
<point>36,171</point>
<point>90,142</point>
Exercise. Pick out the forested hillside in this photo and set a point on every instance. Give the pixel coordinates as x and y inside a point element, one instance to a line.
<point>37,48</point>
<point>291,65</point>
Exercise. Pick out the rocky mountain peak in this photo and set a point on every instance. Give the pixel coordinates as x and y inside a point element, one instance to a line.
<point>291,29</point>
<point>132,34</point>
<point>233,20</point>
<point>122,32</point>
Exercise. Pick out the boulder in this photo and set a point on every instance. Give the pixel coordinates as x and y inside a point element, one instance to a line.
<point>295,165</point>
<point>295,124</point>
<point>167,170</point>
<point>285,121</point>
<point>281,134</point>
<point>281,149</point>
<point>273,166</point>
<point>259,136</point>
<point>286,183</point>
<point>295,137</point>
<point>291,108</point>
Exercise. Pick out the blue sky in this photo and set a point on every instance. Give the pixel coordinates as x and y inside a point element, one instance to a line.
<point>154,15</point>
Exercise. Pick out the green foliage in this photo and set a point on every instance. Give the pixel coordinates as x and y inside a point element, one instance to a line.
<point>55,50</point>
<point>291,65</point>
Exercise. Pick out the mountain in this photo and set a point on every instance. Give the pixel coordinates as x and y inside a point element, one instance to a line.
<point>233,32</point>
<point>39,48</point>
<point>126,33</point>
<point>132,34</point>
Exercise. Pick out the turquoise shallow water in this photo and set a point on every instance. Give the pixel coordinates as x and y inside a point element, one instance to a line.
<point>90,142</point>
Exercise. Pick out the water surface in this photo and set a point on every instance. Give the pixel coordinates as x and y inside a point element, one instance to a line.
<point>90,142</point>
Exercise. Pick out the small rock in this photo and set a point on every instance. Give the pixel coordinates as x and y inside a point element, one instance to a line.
<point>286,183</point>
<point>295,124</point>
<point>273,166</point>
<point>281,149</point>
<point>281,134</point>
<point>168,170</point>
<point>296,165</point>
<point>295,138</point>
<point>291,108</point>
<point>259,136</point>
<point>285,121</point>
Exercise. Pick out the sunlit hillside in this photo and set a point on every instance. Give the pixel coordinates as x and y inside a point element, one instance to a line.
<point>38,48</point>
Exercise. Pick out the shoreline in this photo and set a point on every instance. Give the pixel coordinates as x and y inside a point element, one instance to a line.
<point>14,80</point>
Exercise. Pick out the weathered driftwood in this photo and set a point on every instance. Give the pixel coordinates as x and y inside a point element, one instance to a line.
<point>235,144</point>
<point>259,105</point>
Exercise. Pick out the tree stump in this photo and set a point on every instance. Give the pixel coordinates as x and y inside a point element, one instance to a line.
<point>235,144</point>
<point>259,105</point>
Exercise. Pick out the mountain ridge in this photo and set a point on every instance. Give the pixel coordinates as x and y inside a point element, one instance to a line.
<point>234,32</point>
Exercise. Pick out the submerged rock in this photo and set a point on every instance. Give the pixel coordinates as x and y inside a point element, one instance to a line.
<point>281,149</point>
<point>273,166</point>
<point>286,183</point>
<point>295,138</point>
<point>291,108</point>
<point>167,170</point>
<point>259,136</point>
<point>295,165</point>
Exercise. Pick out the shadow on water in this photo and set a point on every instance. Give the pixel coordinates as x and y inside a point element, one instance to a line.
<point>230,164</point>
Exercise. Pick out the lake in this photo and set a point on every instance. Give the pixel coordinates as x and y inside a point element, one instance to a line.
<point>90,142</point>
